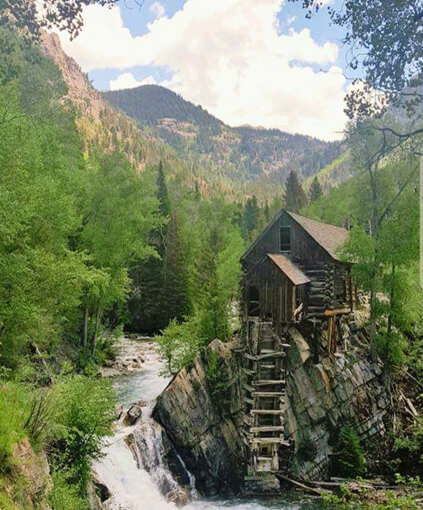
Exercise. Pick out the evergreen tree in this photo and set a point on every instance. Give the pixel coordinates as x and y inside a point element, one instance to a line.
<point>162,193</point>
<point>174,293</point>
<point>251,214</point>
<point>315,190</point>
<point>294,198</point>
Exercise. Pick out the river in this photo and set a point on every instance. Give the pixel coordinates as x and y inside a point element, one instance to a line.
<point>137,480</point>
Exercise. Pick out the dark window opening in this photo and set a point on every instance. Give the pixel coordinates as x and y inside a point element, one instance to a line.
<point>285,236</point>
<point>253,302</point>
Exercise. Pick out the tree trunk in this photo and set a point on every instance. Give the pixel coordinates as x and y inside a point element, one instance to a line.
<point>85,339</point>
<point>392,298</point>
<point>97,321</point>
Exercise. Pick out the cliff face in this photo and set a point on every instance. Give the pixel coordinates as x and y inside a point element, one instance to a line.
<point>342,389</point>
<point>207,435</point>
<point>345,389</point>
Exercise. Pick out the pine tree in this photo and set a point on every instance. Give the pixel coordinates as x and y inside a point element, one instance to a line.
<point>162,193</point>
<point>294,198</point>
<point>174,295</point>
<point>315,190</point>
<point>250,222</point>
<point>146,306</point>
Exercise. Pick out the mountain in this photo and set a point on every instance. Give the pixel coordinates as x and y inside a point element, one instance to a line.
<point>241,153</point>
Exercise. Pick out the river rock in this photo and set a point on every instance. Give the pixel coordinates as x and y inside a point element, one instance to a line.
<point>133,414</point>
<point>118,411</point>
<point>180,496</point>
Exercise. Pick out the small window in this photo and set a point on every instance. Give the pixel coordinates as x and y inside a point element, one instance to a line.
<point>285,238</point>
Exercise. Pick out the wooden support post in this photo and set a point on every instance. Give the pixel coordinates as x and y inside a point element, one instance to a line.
<point>329,339</point>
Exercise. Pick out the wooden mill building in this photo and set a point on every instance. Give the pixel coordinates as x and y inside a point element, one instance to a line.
<point>292,273</point>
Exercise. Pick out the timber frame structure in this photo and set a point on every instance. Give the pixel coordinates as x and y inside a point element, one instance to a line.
<point>292,273</point>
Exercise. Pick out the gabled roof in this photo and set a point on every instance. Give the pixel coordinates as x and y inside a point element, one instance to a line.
<point>289,269</point>
<point>329,237</point>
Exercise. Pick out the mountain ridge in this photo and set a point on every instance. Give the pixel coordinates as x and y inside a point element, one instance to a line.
<point>246,152</point>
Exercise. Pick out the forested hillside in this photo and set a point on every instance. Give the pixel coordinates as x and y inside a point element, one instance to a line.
<point>243,153</point>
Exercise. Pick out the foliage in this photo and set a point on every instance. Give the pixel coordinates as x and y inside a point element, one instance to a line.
<point>85,416</point>
<point>349,460</point>
<point>217,379</point>
<point>180,343</point>
<point>386,45</point>
<point>315,190</point>
<point>295,198</point>
<point>65,493</point>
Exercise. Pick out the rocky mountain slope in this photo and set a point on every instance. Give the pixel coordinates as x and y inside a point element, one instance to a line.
<point>244,152</point>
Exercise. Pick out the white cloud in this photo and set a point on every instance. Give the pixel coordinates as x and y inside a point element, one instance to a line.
<point>128,81</point>
<point>228,56</point>
<point>158,10</point>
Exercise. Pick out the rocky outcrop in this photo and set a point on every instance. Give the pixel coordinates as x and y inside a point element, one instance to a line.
<point>342,389</point>
<point>35,472</point>
<point>206,433</point>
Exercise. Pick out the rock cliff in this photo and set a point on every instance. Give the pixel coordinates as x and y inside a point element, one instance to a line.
<point>345,388</point>
<point>205,433</point>
<point>342,389</point>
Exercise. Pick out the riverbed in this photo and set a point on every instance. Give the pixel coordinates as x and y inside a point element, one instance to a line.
<point>137,478</point>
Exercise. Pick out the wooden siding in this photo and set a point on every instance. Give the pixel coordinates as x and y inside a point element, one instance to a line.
<point>330,286</point>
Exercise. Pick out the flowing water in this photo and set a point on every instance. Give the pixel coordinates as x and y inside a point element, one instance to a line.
<point>137,477</point>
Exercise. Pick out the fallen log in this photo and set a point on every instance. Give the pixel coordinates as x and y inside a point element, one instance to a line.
<point>302,486</point>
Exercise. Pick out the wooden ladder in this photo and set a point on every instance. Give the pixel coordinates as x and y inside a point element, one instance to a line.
<point>265,398</point>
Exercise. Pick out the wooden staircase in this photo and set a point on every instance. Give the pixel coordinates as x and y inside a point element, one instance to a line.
<point>265,397</point>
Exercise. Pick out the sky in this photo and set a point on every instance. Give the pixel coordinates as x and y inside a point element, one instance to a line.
<point>248,62</point>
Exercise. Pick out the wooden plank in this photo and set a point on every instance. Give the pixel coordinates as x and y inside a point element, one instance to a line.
<point>338,311</point>
<point>273,354</point>
<point>267,411</point>
<point>268,382</point>
<point>269,394</point>
<point>270,440</point>
<point>268,428</point>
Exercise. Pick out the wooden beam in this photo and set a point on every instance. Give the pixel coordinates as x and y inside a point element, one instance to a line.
<point>270,440</point>
<point>268,428</point>
<point>339,311</point>
<point>268,382</point>
<point>267,411</point>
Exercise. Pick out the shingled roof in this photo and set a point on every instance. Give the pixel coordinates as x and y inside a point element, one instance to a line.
<point>294,273</point>
<point>328,236</point>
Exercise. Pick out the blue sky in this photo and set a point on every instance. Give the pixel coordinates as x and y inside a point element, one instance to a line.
<point>247,62</point>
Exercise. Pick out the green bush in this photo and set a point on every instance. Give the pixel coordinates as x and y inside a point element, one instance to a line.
<point>85,416</point>
<point>217,380</point>
<point>349,459</point>
<point>13,409</point>
<point>65,494</point>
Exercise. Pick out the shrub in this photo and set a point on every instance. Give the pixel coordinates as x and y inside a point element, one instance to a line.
<point>85,416</point>
<point>217,380</point>
<point>13,408</point>
<point>349,455</point>
<point>65,494</point>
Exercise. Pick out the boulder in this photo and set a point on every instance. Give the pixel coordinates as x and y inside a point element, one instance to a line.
<point>133,414</point>
<point>180,496</point>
